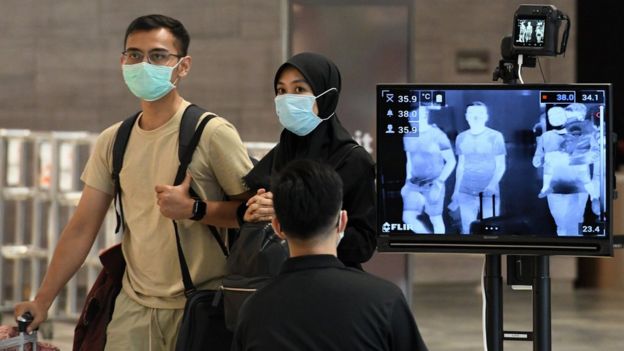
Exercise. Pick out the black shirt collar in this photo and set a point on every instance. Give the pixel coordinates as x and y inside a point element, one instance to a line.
<point>298,263</point>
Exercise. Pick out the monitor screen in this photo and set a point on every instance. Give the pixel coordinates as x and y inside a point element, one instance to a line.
<point>495,168</point>
<point>529,32</point>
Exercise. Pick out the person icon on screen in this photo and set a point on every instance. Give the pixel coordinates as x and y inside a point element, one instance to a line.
<point>480,167</point>
<point>390,130</point>
<point>430,161</point>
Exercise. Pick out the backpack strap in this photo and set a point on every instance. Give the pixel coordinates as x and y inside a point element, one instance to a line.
<point>187,154</point>
<point>119,148</point>
<point>189,138</point>
<point>188,125</point>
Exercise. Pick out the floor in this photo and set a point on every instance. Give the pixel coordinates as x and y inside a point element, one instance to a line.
<point>449,318</point>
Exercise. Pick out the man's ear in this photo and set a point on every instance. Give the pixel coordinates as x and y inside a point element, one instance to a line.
<point>185,66</point>
<point>277,228</point>
<point>342,225</point>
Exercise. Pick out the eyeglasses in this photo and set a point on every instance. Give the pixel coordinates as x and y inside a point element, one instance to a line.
<point>155,57</point>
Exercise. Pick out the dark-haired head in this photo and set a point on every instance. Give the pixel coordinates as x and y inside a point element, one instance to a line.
<point>151,22</point>
<point>307,197</point>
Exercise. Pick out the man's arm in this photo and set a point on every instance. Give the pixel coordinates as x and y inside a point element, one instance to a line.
<point>70,253</point>
<point>175,202</point>
<point>449,164</point>
<point>538,158</point>
<point>459,173</point>
<point>499,171</point>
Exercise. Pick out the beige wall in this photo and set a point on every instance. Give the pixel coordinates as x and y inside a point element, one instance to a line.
<point>443,27</point>
<point>59,61</point>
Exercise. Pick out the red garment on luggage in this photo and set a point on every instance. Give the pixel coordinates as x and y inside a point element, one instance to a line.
<point>90,332</point>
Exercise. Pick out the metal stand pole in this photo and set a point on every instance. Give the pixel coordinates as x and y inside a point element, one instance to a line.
<point>541,305</point>
<point>493,282</point>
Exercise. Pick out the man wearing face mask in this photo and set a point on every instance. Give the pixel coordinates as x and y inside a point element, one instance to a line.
<point>149,308</point>
<point>316,303</point>
<point>480,167</point>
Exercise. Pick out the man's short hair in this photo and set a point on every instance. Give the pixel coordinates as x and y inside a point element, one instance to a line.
<point>307,196</point>
<point>151,22</point>
<point>478,103</point>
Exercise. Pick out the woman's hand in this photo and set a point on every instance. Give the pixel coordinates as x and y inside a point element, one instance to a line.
<point>260,207</point>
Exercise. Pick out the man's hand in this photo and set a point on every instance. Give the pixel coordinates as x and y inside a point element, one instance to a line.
<point>454,205</point>
<point>175,201</point>
<point>38,311</point>
<point>260,207</point>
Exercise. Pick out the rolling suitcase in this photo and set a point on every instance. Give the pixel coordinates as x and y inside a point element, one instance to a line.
<point>498,225</point>
<point>18,339</point>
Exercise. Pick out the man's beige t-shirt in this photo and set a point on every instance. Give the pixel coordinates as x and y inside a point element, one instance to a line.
<point>152,276</point>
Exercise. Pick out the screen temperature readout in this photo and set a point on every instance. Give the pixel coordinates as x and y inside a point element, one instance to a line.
<point>591,228</point>
<point>568,97</point>
<point>557,97</point>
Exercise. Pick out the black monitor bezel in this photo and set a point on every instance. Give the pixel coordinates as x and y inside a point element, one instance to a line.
<point>495,244</point>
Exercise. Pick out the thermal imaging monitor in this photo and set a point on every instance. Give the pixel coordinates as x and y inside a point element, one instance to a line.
<point>486,168</point>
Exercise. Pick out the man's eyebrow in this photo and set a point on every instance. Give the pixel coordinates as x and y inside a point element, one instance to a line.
<point>151,50</point>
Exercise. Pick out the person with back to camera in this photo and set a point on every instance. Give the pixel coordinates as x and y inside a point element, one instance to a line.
<point>149,308</point>
<point>480,167</point>
<point>430,161</point>
<point>316,302</point>
<point>307,89</point>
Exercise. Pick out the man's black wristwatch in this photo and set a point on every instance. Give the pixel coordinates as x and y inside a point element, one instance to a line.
<point>199,210</point>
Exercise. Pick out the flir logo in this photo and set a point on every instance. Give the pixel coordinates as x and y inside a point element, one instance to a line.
<point>386,227</point>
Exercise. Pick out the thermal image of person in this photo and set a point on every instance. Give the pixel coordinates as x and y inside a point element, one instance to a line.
<point>522,32</point>
<point>528,33</point>
<point>565,152</point>
<point>539,32</point>
<point>430,161</point>
<point>480,167</point>
<point>549,150</point>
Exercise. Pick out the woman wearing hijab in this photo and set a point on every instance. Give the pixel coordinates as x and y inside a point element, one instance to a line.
<point>307,88</point>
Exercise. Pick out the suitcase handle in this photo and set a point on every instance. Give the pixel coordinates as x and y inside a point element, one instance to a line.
<point>23,321</point>
<point>481,205</point>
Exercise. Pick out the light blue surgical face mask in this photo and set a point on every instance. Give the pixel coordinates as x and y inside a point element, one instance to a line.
<point>149,82</point>
<point>295,112</point>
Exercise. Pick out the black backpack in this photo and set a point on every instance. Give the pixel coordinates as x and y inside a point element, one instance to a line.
<point>256,257</point>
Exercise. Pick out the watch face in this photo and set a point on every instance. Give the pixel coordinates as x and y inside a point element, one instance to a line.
<point>199,210</point>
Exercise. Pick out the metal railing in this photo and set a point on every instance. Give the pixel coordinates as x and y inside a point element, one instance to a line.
<point>39,189</point>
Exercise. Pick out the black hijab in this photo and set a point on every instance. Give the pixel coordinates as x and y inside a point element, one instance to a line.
<point>325,140</point>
